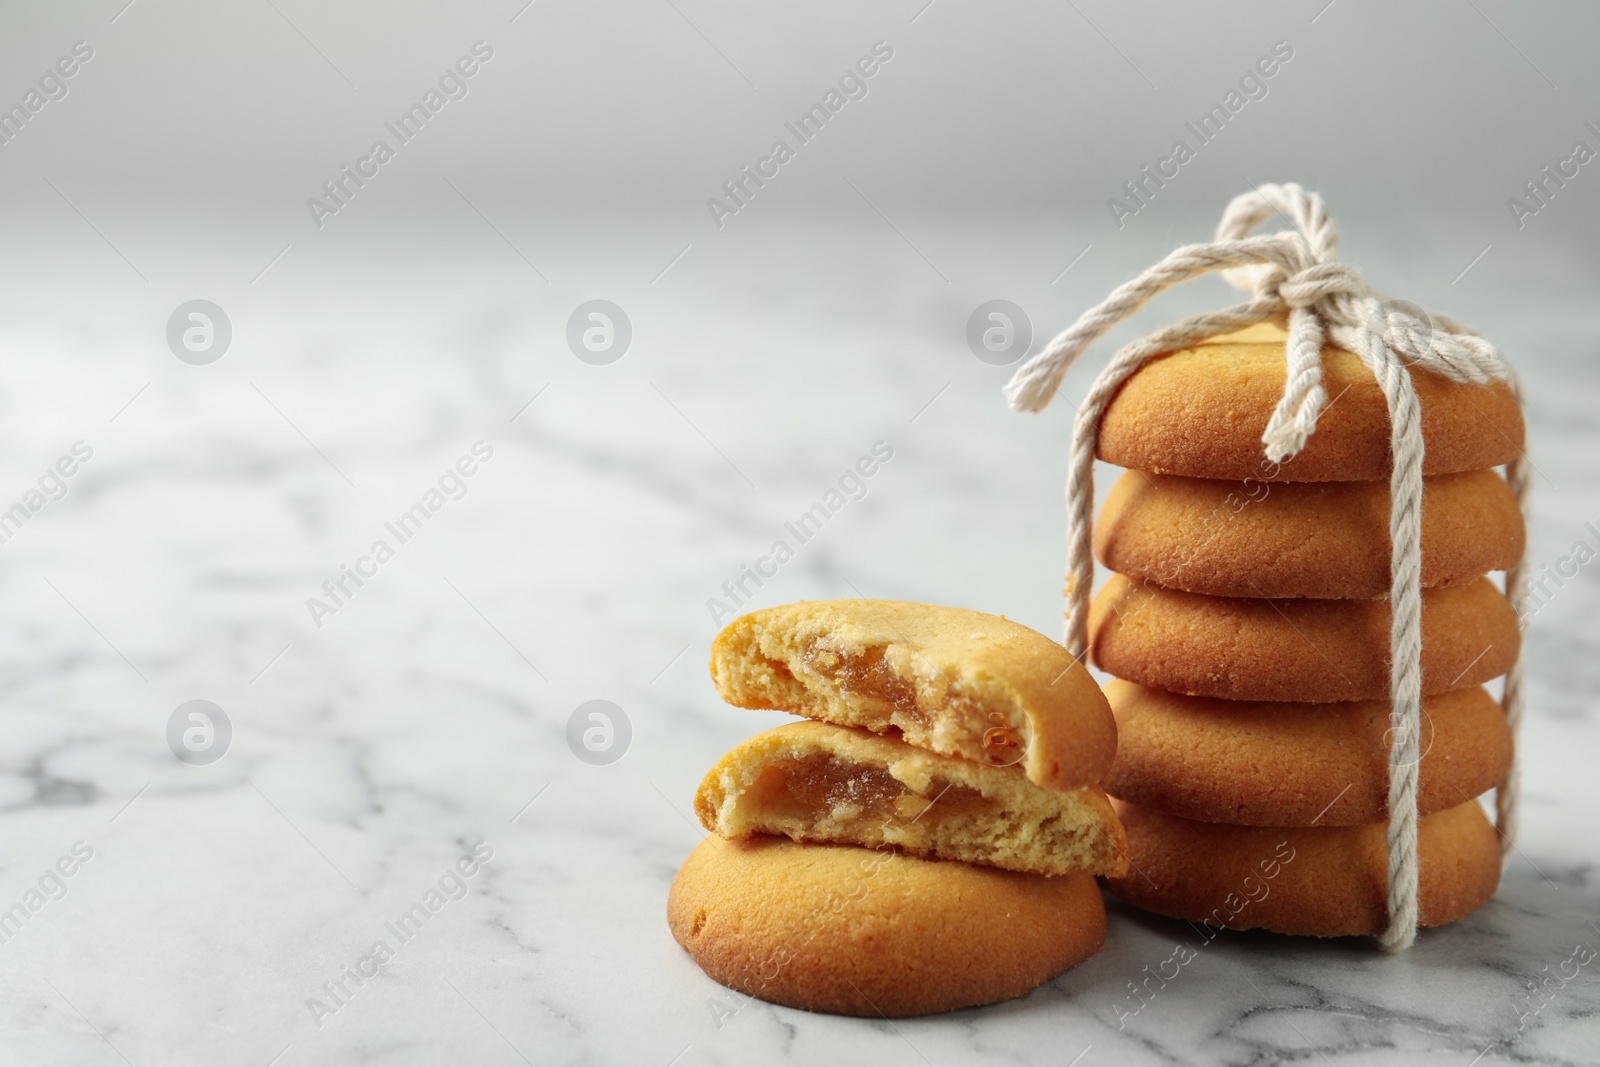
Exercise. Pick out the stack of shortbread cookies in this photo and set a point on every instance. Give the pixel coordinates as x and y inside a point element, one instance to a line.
<point>927,838</point>
<point>1248,627</point>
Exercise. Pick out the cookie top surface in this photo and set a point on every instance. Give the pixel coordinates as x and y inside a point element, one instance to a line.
<point>1300,539</point>
<point>1317,651</point>
<point>1313,881</point>
<point>869,932</point>
<point>953,681</point>
<point>1200,412</point>
<point>1274,764</point>
<point>814,781</point>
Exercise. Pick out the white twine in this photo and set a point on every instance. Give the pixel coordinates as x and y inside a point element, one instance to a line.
<point>1298,273</point>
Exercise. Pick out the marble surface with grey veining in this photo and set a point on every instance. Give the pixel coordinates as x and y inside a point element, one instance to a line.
<point>223,909</point>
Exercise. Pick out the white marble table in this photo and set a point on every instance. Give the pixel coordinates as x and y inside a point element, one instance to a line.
<point>429,712</point>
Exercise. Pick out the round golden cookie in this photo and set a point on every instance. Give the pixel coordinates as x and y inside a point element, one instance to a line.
<point>1200,412</point>
<point>1273,764</point>
<point>1316,651</point>
<point>953,681</point>
<point>857,931</point>
<point>1305,539</point>
<point>1314,881</point>
<point>814,781</point>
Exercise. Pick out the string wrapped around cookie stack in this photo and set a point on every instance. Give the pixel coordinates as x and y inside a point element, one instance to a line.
<point>1259,623</point>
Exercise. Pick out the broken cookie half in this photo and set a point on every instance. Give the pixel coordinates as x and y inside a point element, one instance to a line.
<point>956,682</point>
<point>814,781</point>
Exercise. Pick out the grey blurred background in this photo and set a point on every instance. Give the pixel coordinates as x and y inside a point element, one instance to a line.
<point>979,165</point>
<point>215,123</point>
<point>233,114</point>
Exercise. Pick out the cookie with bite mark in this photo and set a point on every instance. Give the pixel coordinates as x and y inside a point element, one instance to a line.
<point>952,681</point>
<point>813,781</point>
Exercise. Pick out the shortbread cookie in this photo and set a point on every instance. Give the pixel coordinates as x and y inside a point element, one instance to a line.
<point>952,681</point>
<point>814,781</point>
<point>1200,412</point>
<point>1273,764</point>
<point>1316,881</point>
<point>1241,648</point>
<point>1305,539</point>
<point>870,932</point>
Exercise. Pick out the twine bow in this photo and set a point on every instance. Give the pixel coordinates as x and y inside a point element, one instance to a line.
<point>1297,273</point>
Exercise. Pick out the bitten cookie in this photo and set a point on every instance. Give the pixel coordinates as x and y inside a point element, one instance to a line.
<point>956,682</point>
<point>858,931</point>
<point>1310,881</point>
<point>1200,412</point>
<point>1307,539</point>
<point>1266,764</point>
<point>1241,648</point>
<point>814,781</point>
